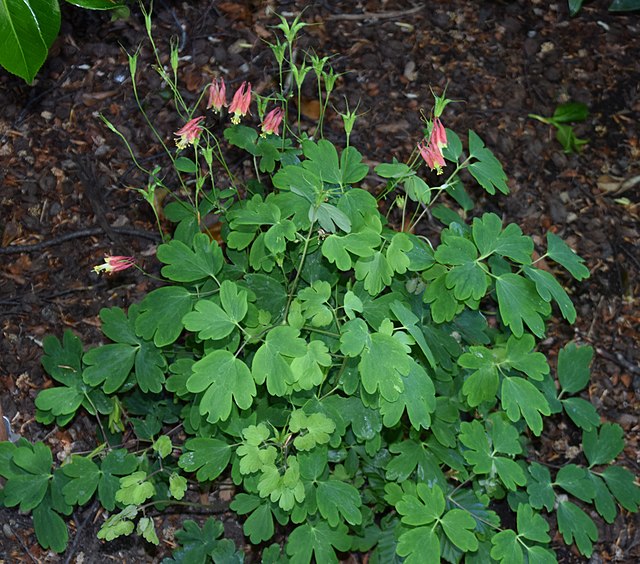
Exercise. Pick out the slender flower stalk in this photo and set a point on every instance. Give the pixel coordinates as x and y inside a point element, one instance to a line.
<point>190,133</point>
<point>217,94</point>
<point>240,103</point>
<point>272,121</point>
<point>114,264</point>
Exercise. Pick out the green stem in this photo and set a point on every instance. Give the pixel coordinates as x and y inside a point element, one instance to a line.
<point>294,284</point>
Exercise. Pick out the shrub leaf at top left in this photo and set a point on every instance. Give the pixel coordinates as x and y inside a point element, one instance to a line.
<point>28,28</point>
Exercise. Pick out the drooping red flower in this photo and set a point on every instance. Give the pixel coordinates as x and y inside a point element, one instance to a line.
<point>190,133</point>
<point>431,152</point>
<point>272,121</point>
<point>432,155</point>
<point>217,94</point>
<point>438,134</point>
<point>241,102</point>
<point>114,264</point>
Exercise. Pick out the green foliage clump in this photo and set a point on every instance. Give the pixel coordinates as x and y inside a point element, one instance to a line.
<point>360,388</point>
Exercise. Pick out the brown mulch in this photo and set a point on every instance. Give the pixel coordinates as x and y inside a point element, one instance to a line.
<point>63,174</point>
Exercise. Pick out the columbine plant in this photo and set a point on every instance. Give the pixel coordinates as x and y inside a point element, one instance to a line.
<point>357,387</point>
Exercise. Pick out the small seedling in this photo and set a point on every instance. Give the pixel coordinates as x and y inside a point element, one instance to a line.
<point>564,115</point>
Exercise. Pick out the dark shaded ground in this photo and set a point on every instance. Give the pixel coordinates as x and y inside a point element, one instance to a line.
<point>62,172</point>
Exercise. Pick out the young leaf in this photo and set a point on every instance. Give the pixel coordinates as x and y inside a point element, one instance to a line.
<point>602,447</point>
<point>309,370</point>
<point>559,251</point>
<point>254,456</point>
<point>135,489</point>
<point>314,303</point>
<point>146,528</point>
<point>177,485</point>
<point>318,429</point>
<point>287,489</point>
